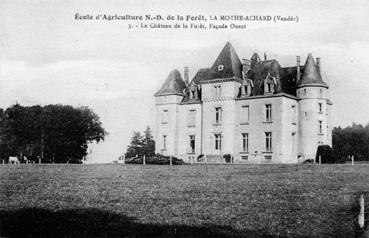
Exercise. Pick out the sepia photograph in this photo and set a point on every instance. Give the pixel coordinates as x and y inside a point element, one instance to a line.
<point>206,118</point>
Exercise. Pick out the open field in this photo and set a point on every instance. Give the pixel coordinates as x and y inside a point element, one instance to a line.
<point>185,201</point>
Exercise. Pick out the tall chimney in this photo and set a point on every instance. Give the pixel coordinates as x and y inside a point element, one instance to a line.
<point>318,64</point>
<point>298,67</point>
<point>186,74</point>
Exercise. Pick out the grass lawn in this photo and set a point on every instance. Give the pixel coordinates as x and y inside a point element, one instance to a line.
<point>181,201</point>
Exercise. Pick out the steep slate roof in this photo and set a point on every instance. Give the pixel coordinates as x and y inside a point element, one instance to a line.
<point>202,74</point>
<point>232,64</point>
<point>285,78</point>
<point>173,85</point>
<point>232,67</point>
<point>289,78</point>
<point>260,71</point>
<point>311,74</point>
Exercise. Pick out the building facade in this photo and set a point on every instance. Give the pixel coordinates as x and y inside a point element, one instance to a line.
<point>254,110</point>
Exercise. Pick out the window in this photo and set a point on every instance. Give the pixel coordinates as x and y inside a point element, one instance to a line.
<point>191,94</point>
<point>268,112</point>
<point>218,141</point>
<point>320,107</point>
<point>321,92</point>
<point>164,142</point>
<point>218,115</point>
<point>164,117</point>
<point>294,114</point>
<point>320,127</point>
<point>304,91</point>
<point>268,87</point>
<point>192,144</point>
<point>244,114</point>
<point>217,91</point>
<point>244,157</point>
<point>220,67</point>
<point>246,89</point>
<point>245,142</point>
<point>191,118</point>
<point>268,141</point>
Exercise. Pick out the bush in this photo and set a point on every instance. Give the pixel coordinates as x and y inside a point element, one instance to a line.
<point>156,159</point>
<point>325,152</point>
<point>228,158</point>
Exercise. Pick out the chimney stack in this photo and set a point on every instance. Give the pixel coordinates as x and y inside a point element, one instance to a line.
<point>298,67</point>
<point>186,74</point>
<point>318,64</point>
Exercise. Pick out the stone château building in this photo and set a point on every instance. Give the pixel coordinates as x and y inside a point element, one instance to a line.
<point>254,110</point>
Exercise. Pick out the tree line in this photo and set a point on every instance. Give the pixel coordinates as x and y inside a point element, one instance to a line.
<point>61,133</point>
<point>52,133</point>
<point>351,141</point>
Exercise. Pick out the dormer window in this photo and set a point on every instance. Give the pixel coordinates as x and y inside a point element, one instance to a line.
<point>220,67</point>
<point>269,83</point>
<point>268,87</point>
<point>246,87</point>
<point>193,94</point>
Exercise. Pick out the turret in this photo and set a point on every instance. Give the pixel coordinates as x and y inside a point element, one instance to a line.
<point>314,113</point>
<point>168,99</point>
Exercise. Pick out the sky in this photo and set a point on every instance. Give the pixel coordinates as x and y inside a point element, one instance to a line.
<point>48,57</point>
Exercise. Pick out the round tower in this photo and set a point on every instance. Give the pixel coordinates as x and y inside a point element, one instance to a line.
<point>314,109</point>
<point>167,103</point>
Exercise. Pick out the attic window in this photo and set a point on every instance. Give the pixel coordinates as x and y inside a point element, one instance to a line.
<point>268,87</point>
<point>269,83</point>
<point>220,67</point>
<point>246,87</point>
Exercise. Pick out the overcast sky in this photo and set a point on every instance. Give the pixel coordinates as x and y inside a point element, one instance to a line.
<point>48,57</point>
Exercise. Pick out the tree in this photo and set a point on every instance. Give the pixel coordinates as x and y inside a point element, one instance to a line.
<point>56,133</point>
<point>148,142</point>
<point>136,146</point>
<point>141,145</point>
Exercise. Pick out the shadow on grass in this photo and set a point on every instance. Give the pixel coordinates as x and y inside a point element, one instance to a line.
<point>36,222</point>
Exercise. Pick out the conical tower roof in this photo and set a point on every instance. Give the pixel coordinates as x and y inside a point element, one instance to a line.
<point>174,85</point>
<point>227,64</point>
<point>311,75</point>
